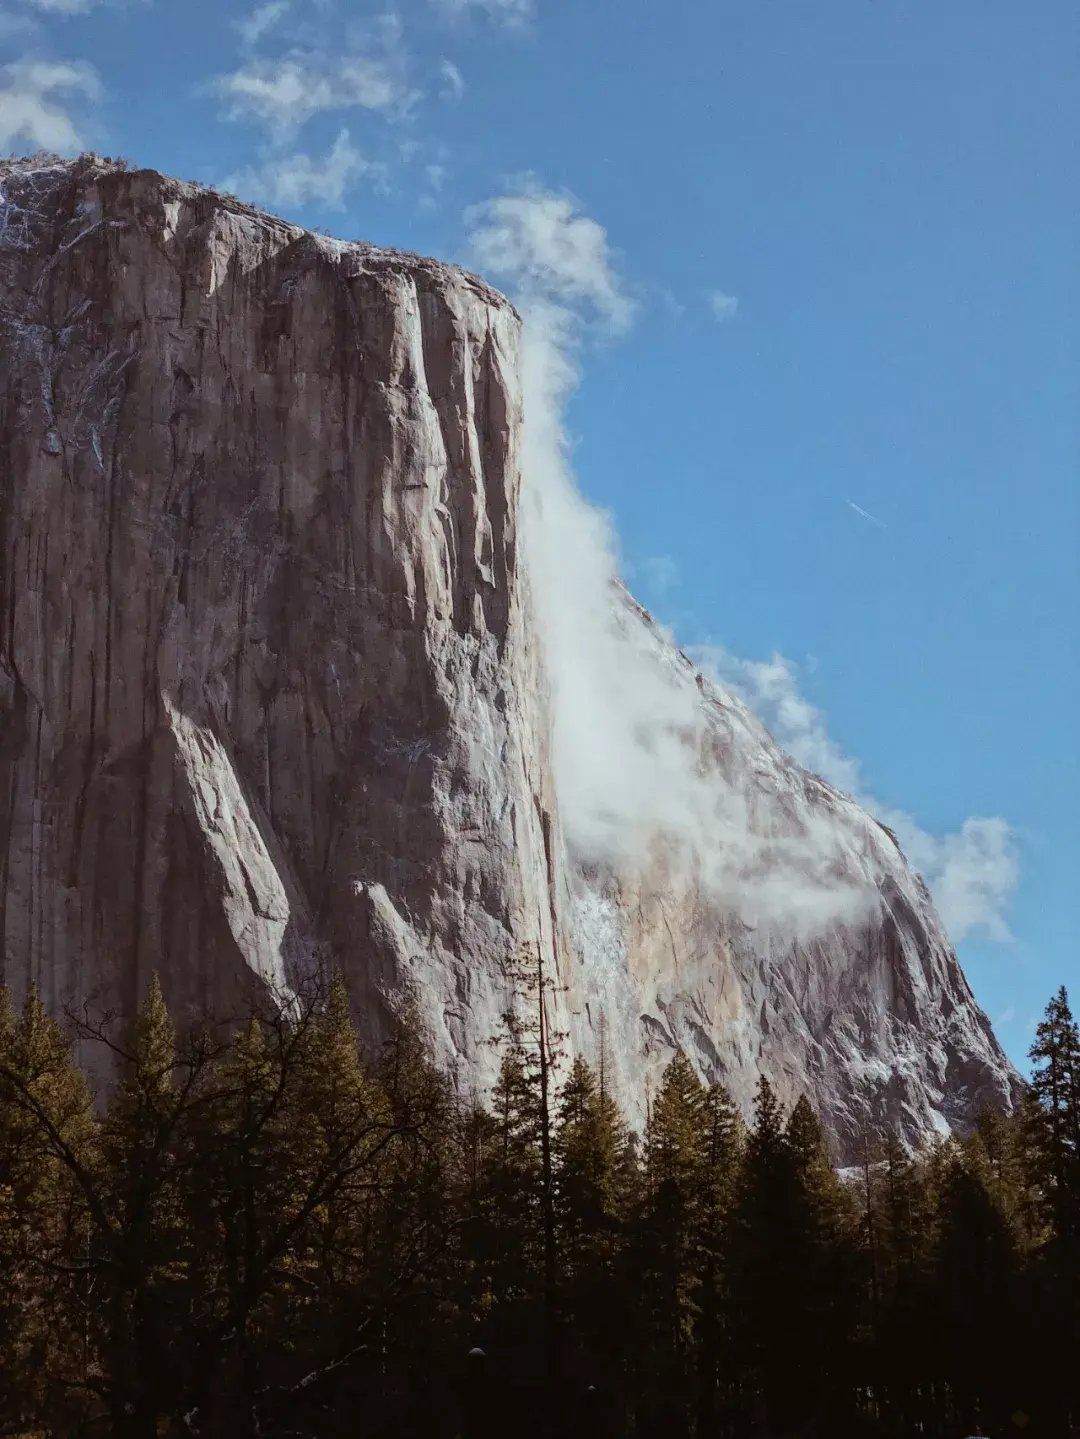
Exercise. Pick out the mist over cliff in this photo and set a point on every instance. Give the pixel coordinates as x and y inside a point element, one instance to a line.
<point>312,655</point>
<point>628,738</point>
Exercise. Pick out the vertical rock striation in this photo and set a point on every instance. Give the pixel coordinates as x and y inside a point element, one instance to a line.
<point>266,696</point>
<point>269,695</point>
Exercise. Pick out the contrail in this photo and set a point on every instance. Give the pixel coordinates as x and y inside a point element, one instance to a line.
<point>867,515</point>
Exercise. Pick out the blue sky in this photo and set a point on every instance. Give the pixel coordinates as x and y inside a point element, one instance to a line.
<point>829,353</point>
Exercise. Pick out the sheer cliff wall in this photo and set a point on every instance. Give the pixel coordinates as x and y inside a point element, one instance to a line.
<point>272,700</point>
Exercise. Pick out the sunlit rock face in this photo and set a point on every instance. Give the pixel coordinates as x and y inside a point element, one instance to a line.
<point>272,699</point>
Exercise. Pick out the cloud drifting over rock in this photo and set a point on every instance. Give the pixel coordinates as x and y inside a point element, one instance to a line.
<point>628,732</point>
<point>302,179</point>
<point>972,873</point>
<point>629,735</point>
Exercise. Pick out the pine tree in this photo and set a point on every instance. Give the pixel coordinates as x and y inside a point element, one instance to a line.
<point>591,1166</point>
<point>905,1238</point>
<point>755,1264</point>
<point>143,1245</point>
<point>1053,1126</point>
<point>975,1305</point>
<point>833,1271</point>
<point>1055,1089</point>
<point>418,1261</point>
<point>724,1138</point>
<point>790,1267</point>
<point>533,1055</point>
<point>668,1233</point>
<point>294,1157</point>
<point>588,1144</point>
<point>47,1156</point>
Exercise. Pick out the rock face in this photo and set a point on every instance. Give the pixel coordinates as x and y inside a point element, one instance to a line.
<point>271,699</point>
<point>871,1016</point>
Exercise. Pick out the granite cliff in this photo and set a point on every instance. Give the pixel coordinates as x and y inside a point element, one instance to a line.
<point>273,696</point>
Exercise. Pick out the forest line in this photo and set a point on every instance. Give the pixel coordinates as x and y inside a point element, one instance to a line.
<point>263,1234</point>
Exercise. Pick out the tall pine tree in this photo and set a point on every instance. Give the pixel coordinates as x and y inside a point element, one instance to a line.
<point>1053,1116</point>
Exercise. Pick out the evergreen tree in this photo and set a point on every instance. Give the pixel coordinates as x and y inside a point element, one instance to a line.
<point>758,1274</point>
<point>47,1137</point>
<point>828,1214</point>
<point>508,1237</point>
<point>724,1137</point>
<point>669,1232</point>
<point>525,1109</point>
<point>140,1243</point>
<point>268,1235</point>
<point>790,1268</point>
<point>416,1271</point>
<point>293,1156</point>
<point>905,1238</point>
<point>975,1311</point>
<point>1053,1129</point>
<point>1055,1089</point>
<point>591,1172</point>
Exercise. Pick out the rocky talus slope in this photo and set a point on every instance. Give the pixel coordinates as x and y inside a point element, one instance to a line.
<point>272,699</point>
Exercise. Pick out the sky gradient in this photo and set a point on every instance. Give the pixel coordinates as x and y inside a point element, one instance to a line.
<point>826,268</point>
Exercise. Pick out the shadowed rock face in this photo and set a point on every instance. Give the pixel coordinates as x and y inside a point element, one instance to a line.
<point>270,696</point>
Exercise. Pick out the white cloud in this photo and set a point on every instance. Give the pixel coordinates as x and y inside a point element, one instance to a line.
<point>31,113</point>
<point>1006,1016</point>
<point>299,179</point>
<point>553,256</point>
<point>453,80</point>
<point>64,7</point>
<point>972,874</point>
<point>283,93</point>
<point>367,69</point>
<point>628,731</point>
<point>261,21</point>
<point>724,307</point>
<point>506,12</point>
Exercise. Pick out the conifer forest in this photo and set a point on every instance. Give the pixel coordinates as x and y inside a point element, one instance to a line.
<point>256,1232</point>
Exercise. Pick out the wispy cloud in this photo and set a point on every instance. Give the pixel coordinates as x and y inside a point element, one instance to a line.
<point>866,515</point>
<point>282,94</point>
<point>262,20</point>
<point>505,12</point>
<point>1006,1016</point>
<point>551,252</point>
<point>671,303</point>
<point>33,104</point>
<point>299,179</point>
<point>723,307</point>
<point>972,873</point>
<point>453,80</point>
<point>64,7</point>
